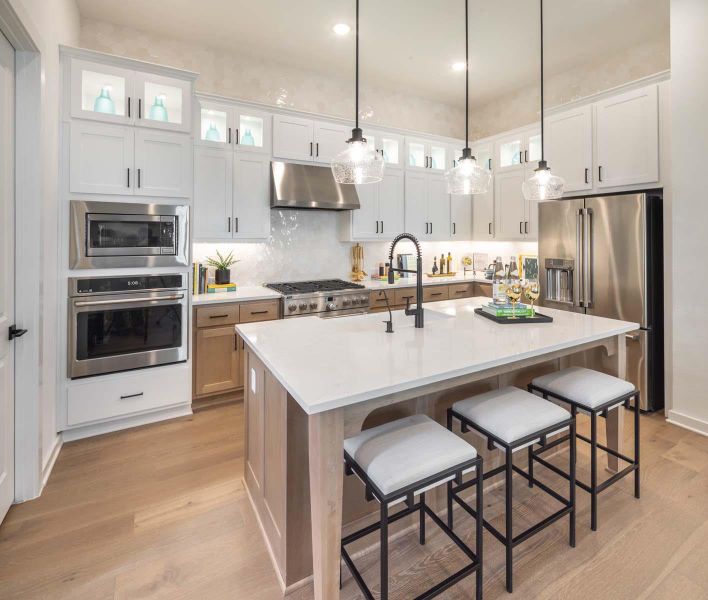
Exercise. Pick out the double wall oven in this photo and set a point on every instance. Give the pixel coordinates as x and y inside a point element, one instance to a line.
<point>124,235</point>
<point>120,323</point>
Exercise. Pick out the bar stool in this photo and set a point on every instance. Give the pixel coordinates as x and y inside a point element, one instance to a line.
<point>512,419</point>
<point>593,393</point>
<point>402,459</point>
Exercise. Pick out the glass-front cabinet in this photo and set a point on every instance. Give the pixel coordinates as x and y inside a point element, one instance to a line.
<point>389,145</point>
<point>222,125</point>
<point>518,150</point>
<point>426,155</point>
<point>104,92</point>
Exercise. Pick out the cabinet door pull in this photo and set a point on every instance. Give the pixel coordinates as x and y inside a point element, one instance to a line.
<point>140,108</point>
<point>229,135</point>
<point>599,173</point>
<point>128,176</point>
<point>310,148</point>
<point>490,228</point>
<point>377,226</point>
<point>317,149</point>
<point>218,316</point>
<point>236,342</point>
<point>259,312</point>
<point>586,175</point>
<point>237,136</point>
<point>236,225</point>
<point>521,157</point>
<point>128,106</point>
<point>526,226</point>
<point>381,226</point>
<point>431,228</point>
<point>521,226</point>
<point>228,224</point>
<point>138,177</point>
<point>436,294</point>
<point>526,156</point>
<point>454,229</point>
<point>131,396</point>
<point>489,162</point>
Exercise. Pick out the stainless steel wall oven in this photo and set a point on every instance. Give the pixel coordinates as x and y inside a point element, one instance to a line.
<point>126,322</point>
<point>122,234</point>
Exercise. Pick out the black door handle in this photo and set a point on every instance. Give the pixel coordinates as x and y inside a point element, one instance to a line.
<point>14,332</point>
<point>586,175</point>
<point>599,173</point>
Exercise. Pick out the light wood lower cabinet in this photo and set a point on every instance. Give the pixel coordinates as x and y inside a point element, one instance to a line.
<point>218,351</point>
<point>398,297</point>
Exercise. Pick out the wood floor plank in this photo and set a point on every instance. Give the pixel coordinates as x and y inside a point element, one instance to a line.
<point>160,512</point>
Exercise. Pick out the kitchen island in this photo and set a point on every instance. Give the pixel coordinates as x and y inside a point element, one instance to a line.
<point>311,382</point>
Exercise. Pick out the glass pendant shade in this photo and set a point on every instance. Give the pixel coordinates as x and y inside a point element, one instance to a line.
<point>468,178</point>
<point>543,185</point>
<point>359,163</point>
<point>158,112</point>
<point>104,102</point>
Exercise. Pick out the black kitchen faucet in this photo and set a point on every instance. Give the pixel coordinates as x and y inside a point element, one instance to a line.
<point>418,310</point>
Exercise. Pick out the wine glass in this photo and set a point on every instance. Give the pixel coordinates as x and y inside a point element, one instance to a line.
<point>513,293</point>
<point>532,291</point>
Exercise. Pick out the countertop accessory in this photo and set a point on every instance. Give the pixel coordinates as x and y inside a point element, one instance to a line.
<point>221,265</point>
<point>360,163</point>
<point>418,311</point>
<point>537,318</point>
<point>441,274</point>
<point>543,185</point>
<point>467,177</point>
<point>358,273</point>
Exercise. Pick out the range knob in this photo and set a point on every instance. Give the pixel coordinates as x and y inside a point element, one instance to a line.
<point>347,301</point>
<point>355,300</point>
<point>313,305</point>
<point>303,305</point>
<point>292,307</point>
<point>364,299</point>
<point>331,306</point>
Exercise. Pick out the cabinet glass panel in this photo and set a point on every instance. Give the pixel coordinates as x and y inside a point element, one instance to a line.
<point>535,148</point>
<point>103,93</point>
<point>390,151</point>
<point>484,158</point>
<point>213,125</point>
<point>162,103</point>
<point>510,153</point>
<point>416,154</point>
<point>437,157</point>
<point>250,131</point>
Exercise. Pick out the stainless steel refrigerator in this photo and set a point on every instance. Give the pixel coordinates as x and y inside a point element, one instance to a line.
<point>603,256</point>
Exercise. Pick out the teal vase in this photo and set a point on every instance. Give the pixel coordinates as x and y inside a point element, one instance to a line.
<point>247,139</point>
<point>212,134</point>
<point>158,112</point>
<point>104,102</point>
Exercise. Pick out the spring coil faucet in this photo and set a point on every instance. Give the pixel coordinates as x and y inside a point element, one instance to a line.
<point>418,311</point>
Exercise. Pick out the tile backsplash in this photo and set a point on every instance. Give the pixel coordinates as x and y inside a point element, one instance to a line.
<point>304,244</point>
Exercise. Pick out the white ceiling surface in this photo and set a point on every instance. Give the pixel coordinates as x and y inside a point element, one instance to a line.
<point>405,43</point>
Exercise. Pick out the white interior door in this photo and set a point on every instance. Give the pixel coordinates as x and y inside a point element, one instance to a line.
<point>7,275</point>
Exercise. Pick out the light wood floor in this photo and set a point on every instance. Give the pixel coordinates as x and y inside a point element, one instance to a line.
<point>160,512</point>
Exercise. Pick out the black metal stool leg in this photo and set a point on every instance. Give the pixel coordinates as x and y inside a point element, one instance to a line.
<point>422,519</point>
<point>509,522</point>
<point>636,445</point>
<point>571,491</point>
<point>449,504</point>
<point>531,466</point>
<point>480,529</point>
<point>384,551</point>
<point>593,471</point>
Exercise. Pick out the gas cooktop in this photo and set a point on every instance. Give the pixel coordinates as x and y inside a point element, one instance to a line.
<point>313,287</point>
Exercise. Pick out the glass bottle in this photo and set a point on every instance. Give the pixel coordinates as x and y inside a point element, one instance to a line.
<point>158,111</point>
<point>247,138</point>
<point>212,134</point>
<point>104,102</point>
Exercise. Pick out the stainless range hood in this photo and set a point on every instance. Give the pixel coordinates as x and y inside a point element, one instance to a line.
<point>309,186</point>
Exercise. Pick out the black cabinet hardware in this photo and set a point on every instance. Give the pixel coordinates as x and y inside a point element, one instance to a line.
<point>526,226</point>
<point>310,148</point>
<point>236,225</point>
<point>521,225</point>
<point>377,227</point>
<point>317,149</point>
<point>454,229</point>
<point>490,228</point>
<point>14,332</point>
<point>526,156</point>
<point>381,226</point>
<point>138,177</point>
<point>218,316</point>
<point>140,108</point>
<point>131,396</point>
<point>238,137</point>
<point>586,175</point>
<point>128,176</point>
<point>489,162</point>
<point>128,106</point>
<point>521,157</point>
<point>259,312</point>
<point>229,135</point>
<point>228,224</point>
<point>599,173</point>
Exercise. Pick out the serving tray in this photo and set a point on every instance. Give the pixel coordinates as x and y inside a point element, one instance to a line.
<point>538,318</point>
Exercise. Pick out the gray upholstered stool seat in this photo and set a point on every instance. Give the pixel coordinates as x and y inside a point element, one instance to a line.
<point>510,413</point>
<point>585,387</point>
<point>397,454</point>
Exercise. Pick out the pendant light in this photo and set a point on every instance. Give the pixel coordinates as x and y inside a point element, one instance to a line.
<point>359,163</point>
<point>543,185</point>
<point>467,177</point>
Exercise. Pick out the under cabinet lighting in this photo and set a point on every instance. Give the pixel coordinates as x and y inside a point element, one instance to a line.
<point>341,29</point>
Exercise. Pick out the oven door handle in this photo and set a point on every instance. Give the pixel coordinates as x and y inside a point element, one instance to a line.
<point>128,300</point>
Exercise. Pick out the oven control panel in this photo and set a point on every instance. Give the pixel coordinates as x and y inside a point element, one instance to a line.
<point>80,286</point>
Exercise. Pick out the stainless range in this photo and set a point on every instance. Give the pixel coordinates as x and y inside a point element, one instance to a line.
<point>323,298</point>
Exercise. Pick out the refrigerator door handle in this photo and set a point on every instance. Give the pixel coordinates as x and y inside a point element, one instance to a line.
<point>588,266</point>
<point>580,268</point>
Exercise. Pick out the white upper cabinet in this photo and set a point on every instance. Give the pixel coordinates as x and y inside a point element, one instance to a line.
<point>101,92</point>
<point>627,138</point>
<point>213,193</point>
<point>569,147</point>
<point>251,197</point>
<point>427,212</point>
<point>163,102</point>
<point>163,163</point>
<point>509,205</point>
<point>391,203</point>
<point>381,212</point>
<point>101,158</point>
<point>223,125</point>
<point>461,217</point>
<point>388,145</point>
<point>517,150</point>
<point>329,140</point>
<point>365,223</point>
<point>105,92</point>
<point>293,137</point>
<point>426,155</point>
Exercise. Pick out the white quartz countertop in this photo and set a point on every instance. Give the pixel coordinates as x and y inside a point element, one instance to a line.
<point>242,294</point>
<point>331,363</point>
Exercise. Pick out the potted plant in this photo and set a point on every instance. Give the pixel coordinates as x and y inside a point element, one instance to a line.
<point>221,266</point>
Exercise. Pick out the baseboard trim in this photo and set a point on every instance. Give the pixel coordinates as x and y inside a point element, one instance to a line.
<point>687,422</point>
<point>47,470</point>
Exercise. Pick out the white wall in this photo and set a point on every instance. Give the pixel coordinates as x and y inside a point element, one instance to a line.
<point>689,98</point>
<point>54,22</point>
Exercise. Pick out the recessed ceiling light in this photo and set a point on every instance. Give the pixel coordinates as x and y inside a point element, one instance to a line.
<point>341,29</point>
<point>458,66</point>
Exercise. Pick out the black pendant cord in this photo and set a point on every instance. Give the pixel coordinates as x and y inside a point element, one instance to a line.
<point>356,116</point>
<point>467,78</point>
<point>543,157</point>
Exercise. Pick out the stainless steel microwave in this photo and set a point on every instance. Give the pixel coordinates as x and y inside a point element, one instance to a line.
<point>122,234</point>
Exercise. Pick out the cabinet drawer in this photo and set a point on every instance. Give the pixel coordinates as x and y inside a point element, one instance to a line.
<point>483,289</point>
<point>433,293</point>
<point>461,290</point>
<point>402,295</point>
<point>219,314</point>
<point>119,396</point>
<point>377,299</point>
<point>260,311</point>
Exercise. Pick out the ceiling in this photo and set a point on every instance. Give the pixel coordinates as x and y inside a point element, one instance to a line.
<point>404,43</point>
